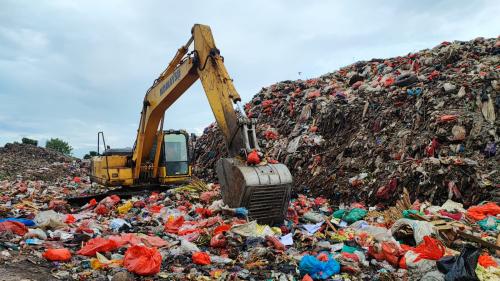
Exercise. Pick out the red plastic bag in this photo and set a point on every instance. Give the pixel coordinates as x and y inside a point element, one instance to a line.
<point>273,241</point>
<point>486,261</point>
<point>98,244</point>
<point>388,251</point>
<point>253,158</point>
<point>57,254</point>
<point>142,260</point>
<point>222,228</point>
<point>482,211</point>
<point>201,258</point>
<point>218,241</point>
<point>101,209</point>
<point>172,226</point>
<point>13,226</point>
<point>430,249</point>
<point>70,219</point>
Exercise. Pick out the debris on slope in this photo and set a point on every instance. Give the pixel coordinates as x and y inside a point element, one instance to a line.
<point>33,162</point>
<point>426,121</point>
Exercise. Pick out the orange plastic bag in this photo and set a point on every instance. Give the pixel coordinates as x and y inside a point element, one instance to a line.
<point>98,244</point>
<point>142,260</point>
<point>62,254</point>
<point>430,249</point>
<point>201,258</point>
<point>14,226</point>
<point>482,211</point>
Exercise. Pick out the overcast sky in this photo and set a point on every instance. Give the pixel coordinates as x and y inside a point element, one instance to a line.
<point>69,69</point>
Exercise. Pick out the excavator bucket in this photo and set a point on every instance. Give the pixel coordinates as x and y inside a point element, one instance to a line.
<point>263,190</point>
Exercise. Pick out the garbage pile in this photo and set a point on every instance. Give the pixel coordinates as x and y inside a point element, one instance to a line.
<point>33,162</point>
<point>187,233</point>
<point>426,121</point>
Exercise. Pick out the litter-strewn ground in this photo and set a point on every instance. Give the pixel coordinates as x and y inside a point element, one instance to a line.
<point>188,234</point>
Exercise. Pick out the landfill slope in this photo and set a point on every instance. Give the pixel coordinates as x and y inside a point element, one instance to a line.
<point>426,121</point>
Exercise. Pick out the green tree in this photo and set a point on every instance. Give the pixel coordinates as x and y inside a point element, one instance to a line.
<point>90,155</point>
<point>59,145</point>
<point>30,141</point>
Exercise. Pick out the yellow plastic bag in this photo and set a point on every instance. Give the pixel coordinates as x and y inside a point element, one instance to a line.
<point>123,209</point>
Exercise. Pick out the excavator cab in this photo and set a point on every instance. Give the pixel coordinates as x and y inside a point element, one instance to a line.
<point>175,162</point>
<point>113,167</point>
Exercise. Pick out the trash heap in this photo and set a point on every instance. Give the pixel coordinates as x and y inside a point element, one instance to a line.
<point>426,121</point>
<point>187,233</point>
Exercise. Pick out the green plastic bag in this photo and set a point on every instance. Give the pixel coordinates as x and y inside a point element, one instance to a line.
<point>408,213</point>
<point>339,214</point>
<point>355,215</point>
<point>349,249</point>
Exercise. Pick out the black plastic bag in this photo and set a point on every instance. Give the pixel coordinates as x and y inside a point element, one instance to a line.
<point>461,267</point>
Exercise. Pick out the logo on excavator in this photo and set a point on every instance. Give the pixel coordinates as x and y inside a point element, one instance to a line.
<point>174,77</point>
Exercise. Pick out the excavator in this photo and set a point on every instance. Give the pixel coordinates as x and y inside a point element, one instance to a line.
<point>163,157</point>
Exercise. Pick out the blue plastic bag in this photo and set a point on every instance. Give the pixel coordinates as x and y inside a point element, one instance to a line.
<point>26,222</point>
<point>241,212</point>
<point>318,269</point>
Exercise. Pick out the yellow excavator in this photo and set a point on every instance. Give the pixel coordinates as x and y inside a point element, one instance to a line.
<point>164,157</point>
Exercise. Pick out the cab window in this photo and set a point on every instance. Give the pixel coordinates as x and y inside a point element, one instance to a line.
<point>176,154</point>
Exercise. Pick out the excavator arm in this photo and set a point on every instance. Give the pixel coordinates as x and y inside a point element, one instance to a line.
<point>206,64</point>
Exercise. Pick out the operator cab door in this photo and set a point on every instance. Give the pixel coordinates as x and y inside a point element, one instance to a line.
<point>176,154</point>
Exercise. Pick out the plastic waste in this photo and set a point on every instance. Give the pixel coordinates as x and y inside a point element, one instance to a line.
<point>430,249</point>
<point>98,244</point>
<point>489,223</point>
<point>36,233</point>
<point>173,225</point>
<point>252,229</point>
<point>312,228</point>
<point>462,267</point>
<point>313,217</point>
<point>142,260</point>
<point>50,220</point>
<point>355,215</point>
<point>201,258</point>
<point>420,228</point>
<point>486,261</point>
<point>26,222</point>
<point>125,207</point>
<point>62,235</point>
<point>33,241</point>
<point>14,227</point>
<point>62,254</point>
<point>339,213</point>
<point>480,212</point>
<point>117,224</point>
<point>319,267</point>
